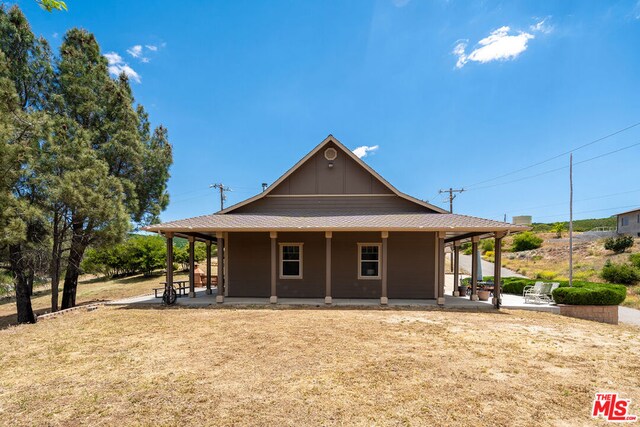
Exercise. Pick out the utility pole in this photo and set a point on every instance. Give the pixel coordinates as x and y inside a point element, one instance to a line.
<point>221,187</point>
<point>571,219</point>
<point>451,196</point>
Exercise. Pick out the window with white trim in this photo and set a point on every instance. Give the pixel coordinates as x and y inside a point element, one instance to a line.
<point>369,260</point>
<point>291,260</point>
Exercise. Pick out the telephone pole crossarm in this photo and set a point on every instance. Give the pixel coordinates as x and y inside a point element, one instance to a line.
<point>451,196</point>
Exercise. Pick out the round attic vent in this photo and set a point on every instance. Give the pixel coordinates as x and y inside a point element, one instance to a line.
<point>330,154</point>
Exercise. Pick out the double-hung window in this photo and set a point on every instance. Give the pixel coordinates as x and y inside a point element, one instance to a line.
<point>369,260</point>
<point>291,260</point>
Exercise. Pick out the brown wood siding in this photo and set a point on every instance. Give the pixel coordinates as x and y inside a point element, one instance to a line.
<point>411,265</point>
<point>331,204</point>
<point>313,267</point>
<point>345,177</point>
<point>344,263</point>
<point>249,263</point>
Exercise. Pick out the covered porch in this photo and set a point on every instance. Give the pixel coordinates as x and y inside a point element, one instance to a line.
<point>443,296</point>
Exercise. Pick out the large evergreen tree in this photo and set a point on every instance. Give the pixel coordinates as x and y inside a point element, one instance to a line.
<point>81,161</point>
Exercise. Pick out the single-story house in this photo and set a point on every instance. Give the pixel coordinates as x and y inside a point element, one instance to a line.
<point>628,223</point>
<point>332,227</point>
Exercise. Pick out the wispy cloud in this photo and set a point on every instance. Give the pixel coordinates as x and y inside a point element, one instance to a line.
<point>135,51</point>
<point>118,66</point>
<point>151,47</point>
<point>502,44</point>
<point>364,150</point>
<point>543,26</point>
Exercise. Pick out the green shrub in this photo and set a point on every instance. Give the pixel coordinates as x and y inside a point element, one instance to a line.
<point>635,260</point>
<point>626,274</point>
<point>546,275</point>
<point>526,241</point>
<point>618,244</point>
<point>515,285</point>
<point>590,294</point>
<point>487,245</point>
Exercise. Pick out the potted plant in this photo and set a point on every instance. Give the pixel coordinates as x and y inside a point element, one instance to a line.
<point>462,290</point>
<point>483,294</point>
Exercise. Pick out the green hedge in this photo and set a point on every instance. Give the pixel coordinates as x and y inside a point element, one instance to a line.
<point>582,293</point>
<point>590,294</point>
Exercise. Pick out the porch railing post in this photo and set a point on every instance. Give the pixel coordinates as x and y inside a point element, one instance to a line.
<point>220,250</point>
<point>456,268</point>
<point>474,268</point>
<point>384,299</point>
<point>208,291</point>
<point>441,256</point>
<point>192,266</point>
<point>327,294</point>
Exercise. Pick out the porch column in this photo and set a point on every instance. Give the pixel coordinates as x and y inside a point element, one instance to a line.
<point>219,246</point>
<point>456,268</point>
<point>169,237</point>
<point>384,300</point>
<point>208,291</point>
<point>441,256</point>
<point>474,268</point>
<point>274,267</point>
<point>192,276</point>
<point>497,270</point>
<point>327,294</point>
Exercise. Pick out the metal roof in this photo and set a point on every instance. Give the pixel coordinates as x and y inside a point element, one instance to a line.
<point>310,221</point>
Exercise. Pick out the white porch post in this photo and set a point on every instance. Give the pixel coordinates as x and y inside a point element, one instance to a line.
<point>474,268</point>
<point>384,300</point>
<point>441,256</point>
<point>219,245</point>
<point>456,268</point>
<point>274,267</point>
<point>327,295</point>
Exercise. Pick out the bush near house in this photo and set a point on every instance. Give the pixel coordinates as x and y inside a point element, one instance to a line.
<point>525,242</point>
<point>582,293</point>
<point>627,274</point>
<point>618,244</point>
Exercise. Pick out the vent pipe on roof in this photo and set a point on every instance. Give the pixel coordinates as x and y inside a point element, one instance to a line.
<point>264,186</point>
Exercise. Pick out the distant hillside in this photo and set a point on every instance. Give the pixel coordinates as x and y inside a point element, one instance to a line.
<point>578,225</point>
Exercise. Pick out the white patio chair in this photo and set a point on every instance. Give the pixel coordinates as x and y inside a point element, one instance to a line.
<point>540,293</point>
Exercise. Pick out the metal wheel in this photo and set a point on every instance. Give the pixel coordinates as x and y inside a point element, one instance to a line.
<point>169,296</point>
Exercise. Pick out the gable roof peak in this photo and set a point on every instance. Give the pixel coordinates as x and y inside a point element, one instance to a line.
<point>348,152</point>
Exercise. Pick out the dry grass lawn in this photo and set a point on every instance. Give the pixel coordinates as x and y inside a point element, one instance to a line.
<point>90,290</point>
<point>118,366</point>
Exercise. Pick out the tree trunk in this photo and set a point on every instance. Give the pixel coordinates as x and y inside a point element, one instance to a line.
<point>23,298</point>
<point>78,246</point>
<point>56,255</point>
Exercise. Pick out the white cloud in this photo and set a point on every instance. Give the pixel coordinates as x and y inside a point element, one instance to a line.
<point>118,66</point>
<point>364,150</point>
<point>500,45</point>
<point>542,26</point>
<point>55,35</point>
<point>151,47</point>
<point>135,51</point>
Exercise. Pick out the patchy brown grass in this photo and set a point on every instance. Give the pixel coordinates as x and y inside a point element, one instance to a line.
<point>116,366</point>
<point>90,290</point>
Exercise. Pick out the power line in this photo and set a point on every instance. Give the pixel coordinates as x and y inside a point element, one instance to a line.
<point>558,169</point>
<point>556,156</point>
<point>451,196</point>
<point>589,211</point>
<point>532,208</point>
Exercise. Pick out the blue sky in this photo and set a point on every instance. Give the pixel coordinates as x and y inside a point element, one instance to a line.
<point>451,93</point>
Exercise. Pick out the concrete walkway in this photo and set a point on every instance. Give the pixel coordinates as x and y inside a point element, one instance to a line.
<point>628,315</point>
<point>487,267</point>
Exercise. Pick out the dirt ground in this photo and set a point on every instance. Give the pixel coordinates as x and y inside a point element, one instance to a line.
<point>227,366</point>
